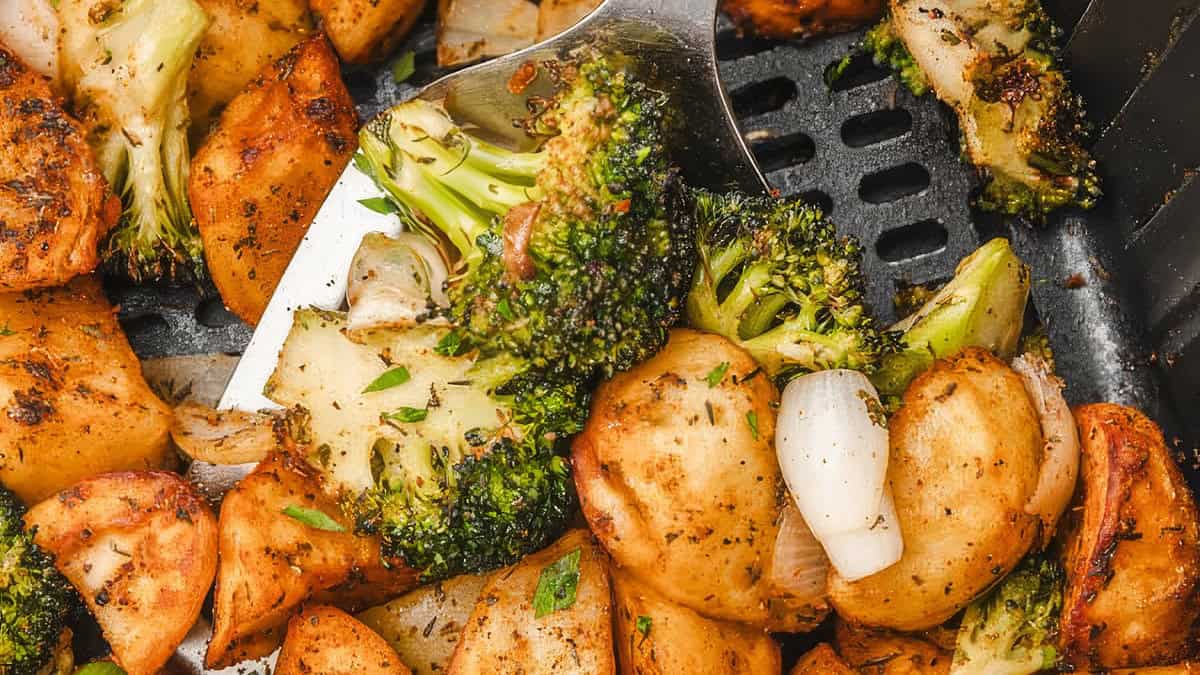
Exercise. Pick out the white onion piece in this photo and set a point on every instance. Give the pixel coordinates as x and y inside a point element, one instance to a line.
<point>393,280</point>
<point>469,30</point>
<point>30,29</point>
<point>832,441</point>
<point>223,437</point>
<point>799,566</point>
<point>1060,460</point>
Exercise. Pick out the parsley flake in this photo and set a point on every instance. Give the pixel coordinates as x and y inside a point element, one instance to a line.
<point>392,378</point>
<point>717,374</point>
<point>557,585</point>
<point>752,420</point>
<point>313,518</point>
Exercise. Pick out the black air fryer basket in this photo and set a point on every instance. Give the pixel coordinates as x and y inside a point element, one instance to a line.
<point>1117,288</point>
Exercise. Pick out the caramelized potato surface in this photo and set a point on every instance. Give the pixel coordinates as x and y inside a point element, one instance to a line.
<point>328,641</point>
<point>786,19</point>
<point>821,660</point>
<point>367,30</point>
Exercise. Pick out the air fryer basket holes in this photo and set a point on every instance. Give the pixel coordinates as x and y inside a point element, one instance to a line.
<point>895,183</point>
<point>912,241</point>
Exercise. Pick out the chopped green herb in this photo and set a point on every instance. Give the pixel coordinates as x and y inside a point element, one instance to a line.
<point>313,518</point>
<point>407,415</point>
<point>752,420</point>
<point>404,67</point>
<point>5,331</point>
<point>392,378</point>
<point>643,626</point>
<point>505,310</point>
<point>557,585</point>
<point>450,345</point>
<point>100,668</point>
<point>717,374</point>
<point>91,329</point>
<point>362,163</point>
<point>379,205</point>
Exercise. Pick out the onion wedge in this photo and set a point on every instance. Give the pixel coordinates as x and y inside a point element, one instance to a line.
<point>1060,460</point>
<point>799,566</point>
<point>223,436</point>
<point>395,282</point>
<point>30,29</point>
<point>832,441</point>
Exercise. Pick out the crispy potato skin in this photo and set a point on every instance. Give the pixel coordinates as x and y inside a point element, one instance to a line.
<point>73,402</point>
<point>424,625</point>
<point>883,652</point>
<point>1186,668</point>
<point>821,660</point>
<point>965,454</point>
<point>1131,545</point>
<point>326,640</point>
<point>785,19</point>
<point>259,180</point>
<point>367,30</point>
<point>270,563</point>
<point>243,38</point>
<point>141,548</point>
<point>681,641</point>
<point>54,206</point>
<point>503,636</point>
<point>688,502</point>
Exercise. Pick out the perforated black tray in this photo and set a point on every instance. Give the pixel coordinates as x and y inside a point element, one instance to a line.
<point>886,166</point>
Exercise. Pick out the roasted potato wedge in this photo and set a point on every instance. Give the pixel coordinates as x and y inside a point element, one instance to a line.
<point>424,625</point>
<point>883,652</point>
<point>505,633</point>
<point>788,19</point>
<point>259,180</point>
<point>243,38</point>
<point>555,16</point>
<point>1186,668</point>
<point>72,399</point>
<point>141,548</point>
<point>326,640</point>
<point>54,206</point>
<point>821,660</point>
<point>657,636</point>
<point>272,562</point>
<point>965,456</point>
<point>679,487</point>
<point>366,30</point>
<point>1131,547</point>
<point>469,30</point>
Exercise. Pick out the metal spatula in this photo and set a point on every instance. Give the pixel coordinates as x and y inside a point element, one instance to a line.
<point>671,39</point>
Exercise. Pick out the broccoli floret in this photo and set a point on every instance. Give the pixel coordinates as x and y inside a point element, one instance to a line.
<point>982,306</point>
<point>1012,629</point>
<point>998,65</point>
<point>775,277</point>
<point>456,460</point>
<point>127,64</point>
<point>570,256</point>
<point>36,601</point>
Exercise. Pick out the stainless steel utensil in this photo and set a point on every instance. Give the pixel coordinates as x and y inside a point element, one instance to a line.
<point>672,41</point>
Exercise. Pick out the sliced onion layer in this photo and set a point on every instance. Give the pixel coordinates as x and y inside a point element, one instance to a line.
<point>1060,459</point>
<point>395,282</point>
<point>832,441</point>
<point>799,566</point>
<point>30,29</point>
<point>222,436</point>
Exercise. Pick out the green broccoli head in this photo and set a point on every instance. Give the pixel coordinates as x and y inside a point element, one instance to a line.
<point>1012,629</point>
<point>455,460</point>
<point>571,256</point>
<point>886,48</point>
<point>35,600</point>
<point>775,277</point>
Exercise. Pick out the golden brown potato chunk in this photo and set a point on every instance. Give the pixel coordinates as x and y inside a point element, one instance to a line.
<point>72,399</point>
<point>784,19</point>
<point>424,625</point>
<point>522,624</point>
<point>1186,668</point>
<point>259,180</point>
<point>658,637</point>
<point>141,548</point>
<point>682,489</point>
<point>272,562</point>
<point>54,202</point>
<point>366,30</point>
<point>243,38</point>
<point>965,456</point>
<point>1131,545</point>
<point>328,641</point>
<point>821,660</point>
<point>555,16</point>
<point>883,652</point>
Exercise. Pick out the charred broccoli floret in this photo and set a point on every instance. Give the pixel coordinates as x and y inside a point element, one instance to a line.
<point>569,256</point>
<point>456,460</point>
<point>1012,629</point>
<point>36,601</point>
<point>775,277</point>
<point>998,65</point>
<point>127,63</point>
